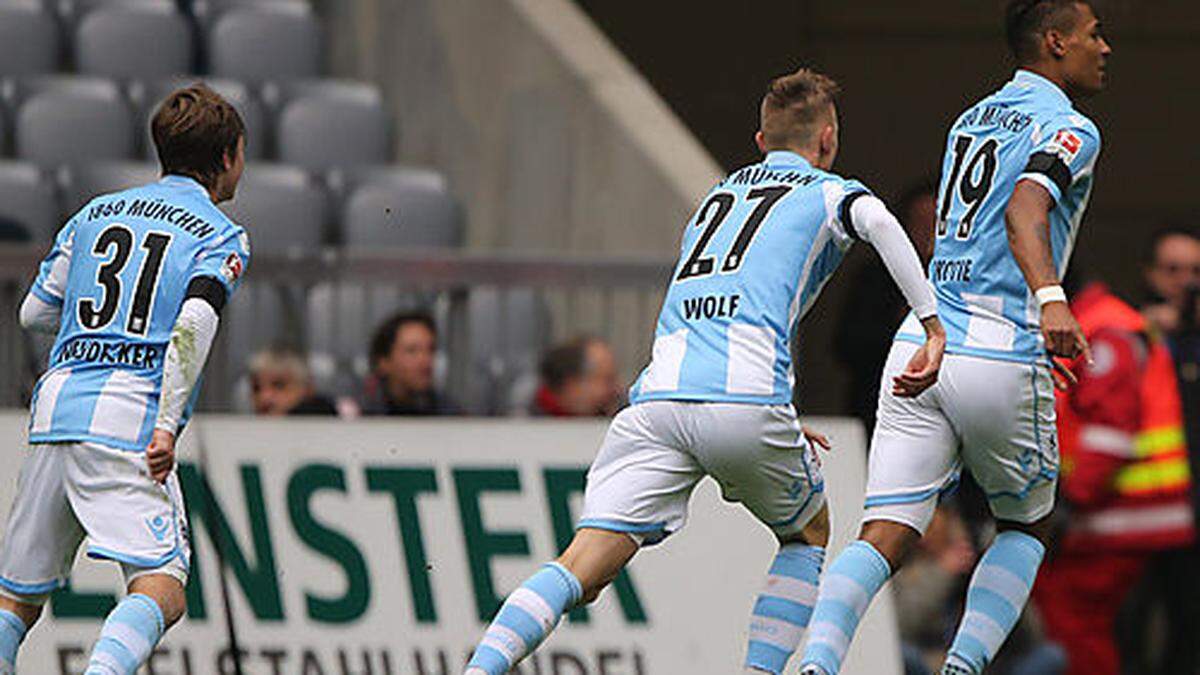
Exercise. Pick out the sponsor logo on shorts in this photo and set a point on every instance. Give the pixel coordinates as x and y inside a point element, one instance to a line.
<point>159,527</point>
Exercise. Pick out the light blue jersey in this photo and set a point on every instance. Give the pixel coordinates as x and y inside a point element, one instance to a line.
<point>120,270</point>
<point>753,260</point>
<point>1027,130</point>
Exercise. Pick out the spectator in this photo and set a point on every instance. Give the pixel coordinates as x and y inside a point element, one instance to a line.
<point>1124,479</point>
<point>402,359</point>
<point>578,379</point>
<point>869,320</point>
<point>281,384</point>
<point>1172,275</point>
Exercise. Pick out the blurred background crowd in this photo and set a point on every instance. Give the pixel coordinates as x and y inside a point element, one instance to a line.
<point>438,233</point>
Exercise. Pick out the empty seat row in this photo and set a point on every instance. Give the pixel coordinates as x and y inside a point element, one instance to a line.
<point>148,39</point>
<point>316,124</point>
<point>284,207</point>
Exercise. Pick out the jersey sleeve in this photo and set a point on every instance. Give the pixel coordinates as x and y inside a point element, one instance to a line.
<point>225,260</point>
<point>51,283</point>
<point>839,198</point>
<point>1066,150</point>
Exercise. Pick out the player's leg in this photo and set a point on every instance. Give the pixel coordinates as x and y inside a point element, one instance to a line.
<point>1006,412</point>
<point>40,541</point>
<point>913,461</point>
<point>759,457</point>
<point>637,492</point>
<point>133,520</point>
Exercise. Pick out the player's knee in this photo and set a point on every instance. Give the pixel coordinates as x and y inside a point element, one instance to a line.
<point>815,533</point>
<point>894,541</point>
<point>27,608</point>
<point>1042,529</point>
<point>167,591</point>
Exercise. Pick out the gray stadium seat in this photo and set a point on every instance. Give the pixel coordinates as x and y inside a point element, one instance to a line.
<point>29,39</point>
<point>83,182</point>
<point>266,40</point>
<point>508,329</point>
<point>149,95</point>
<point>28,197</point>
<point>128,39</point>
<point>329,123</point>
<point>205,10</point>
<point>400,207</point>
<point>64,120</point>
<point>282,207</point>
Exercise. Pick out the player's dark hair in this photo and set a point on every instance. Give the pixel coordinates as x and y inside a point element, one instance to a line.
<point>564,361</point>
<point>194,129</point>
<point>385,336</point>
<point>792,104</point>
<point>1026,21</point>
<point>1150,255</point>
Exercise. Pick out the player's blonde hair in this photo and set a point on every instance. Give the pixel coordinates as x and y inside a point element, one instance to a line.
<point>794,106</point>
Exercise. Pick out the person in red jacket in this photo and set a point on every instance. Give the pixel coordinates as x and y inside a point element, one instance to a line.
<point>1125,477</point>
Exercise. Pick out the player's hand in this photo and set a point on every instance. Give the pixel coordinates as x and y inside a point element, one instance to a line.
<point>922,370</point>
<point>1064,337</point>
<point>814,436</point>
<point>160,455</point>
<point>1063,378</point>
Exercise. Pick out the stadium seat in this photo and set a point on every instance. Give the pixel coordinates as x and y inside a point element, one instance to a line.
<point>282,207</point>
<point>147,96</point>
<point>64,119</point>
<point>400,207</point>
<point>328,123</point>
<point>508,330</point>
<point>83,182</point>
<point>28,197</point>
<point>205,10</point>
<point>265,40</point>
<point>134,40</point>
<point>29,39</point>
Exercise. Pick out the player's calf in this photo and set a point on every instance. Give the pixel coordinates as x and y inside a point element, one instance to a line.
<point>783,609</point>
<point>16,618</point>
<point>590,563</point>
<point>136,624</point>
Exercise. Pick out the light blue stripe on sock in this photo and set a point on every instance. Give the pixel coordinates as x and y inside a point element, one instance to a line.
<point>489,660</point>
<point>844,617</point>
<point>768,657</point>
<point>799,562</point>
<point>520,622</point>
<point>993,605</point>
<point>1018,553</point>
<point>137,613</point>
<point>783,610</point>
<point>557,586</point>
<point>971,651</point>
<point>12,632</point>
<point>859,566</point>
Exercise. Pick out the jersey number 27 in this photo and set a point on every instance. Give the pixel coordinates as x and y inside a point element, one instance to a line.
<point>712,215</point>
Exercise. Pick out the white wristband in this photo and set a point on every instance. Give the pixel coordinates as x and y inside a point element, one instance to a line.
<point>1048,294</point>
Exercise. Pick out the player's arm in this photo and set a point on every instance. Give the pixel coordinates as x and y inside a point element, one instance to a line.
<point>1028,223</point>
<point>867,218</point>
<point>191,339</point>
<point>41,311</point>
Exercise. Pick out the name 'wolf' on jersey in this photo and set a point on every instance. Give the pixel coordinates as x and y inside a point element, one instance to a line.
<point>120,270</point>
<point>1026,130</point>
<point>754,258</point>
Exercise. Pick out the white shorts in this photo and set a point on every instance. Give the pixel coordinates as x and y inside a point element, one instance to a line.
<point>996,417</point>
<point>656,452</point>
<point>67,491</point>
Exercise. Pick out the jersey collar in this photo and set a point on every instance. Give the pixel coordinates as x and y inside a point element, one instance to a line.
<point>184,182</point>
<point>785,158</point>
<point>1027,79</point>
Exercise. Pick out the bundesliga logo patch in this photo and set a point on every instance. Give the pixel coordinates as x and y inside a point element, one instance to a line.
<point>1066,145</point>
<point>231,269</point>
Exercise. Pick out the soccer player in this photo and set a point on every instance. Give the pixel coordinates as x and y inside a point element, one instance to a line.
<point>716,397</point>
<point>1016,177</point>
<point>133,287</point>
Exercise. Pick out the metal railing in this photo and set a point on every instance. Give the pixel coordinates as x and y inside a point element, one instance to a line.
<point>496,313</point>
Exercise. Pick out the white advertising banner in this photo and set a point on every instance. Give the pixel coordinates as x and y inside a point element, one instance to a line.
<point>381,547</point>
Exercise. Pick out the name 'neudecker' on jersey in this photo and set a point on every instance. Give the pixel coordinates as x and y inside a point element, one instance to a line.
<point>1026,130</point>
<point>120,269</point>
<point>754,258</point>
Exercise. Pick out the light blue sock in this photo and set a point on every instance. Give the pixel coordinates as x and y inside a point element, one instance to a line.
<point>998,591</point>
<point>846,591</point>
<point>782,611</point>
<point>12,631</point>
<point>527,617</point>
<point>130,633</point>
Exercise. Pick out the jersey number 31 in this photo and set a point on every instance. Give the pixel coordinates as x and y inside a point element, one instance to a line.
<point>117,241</point>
